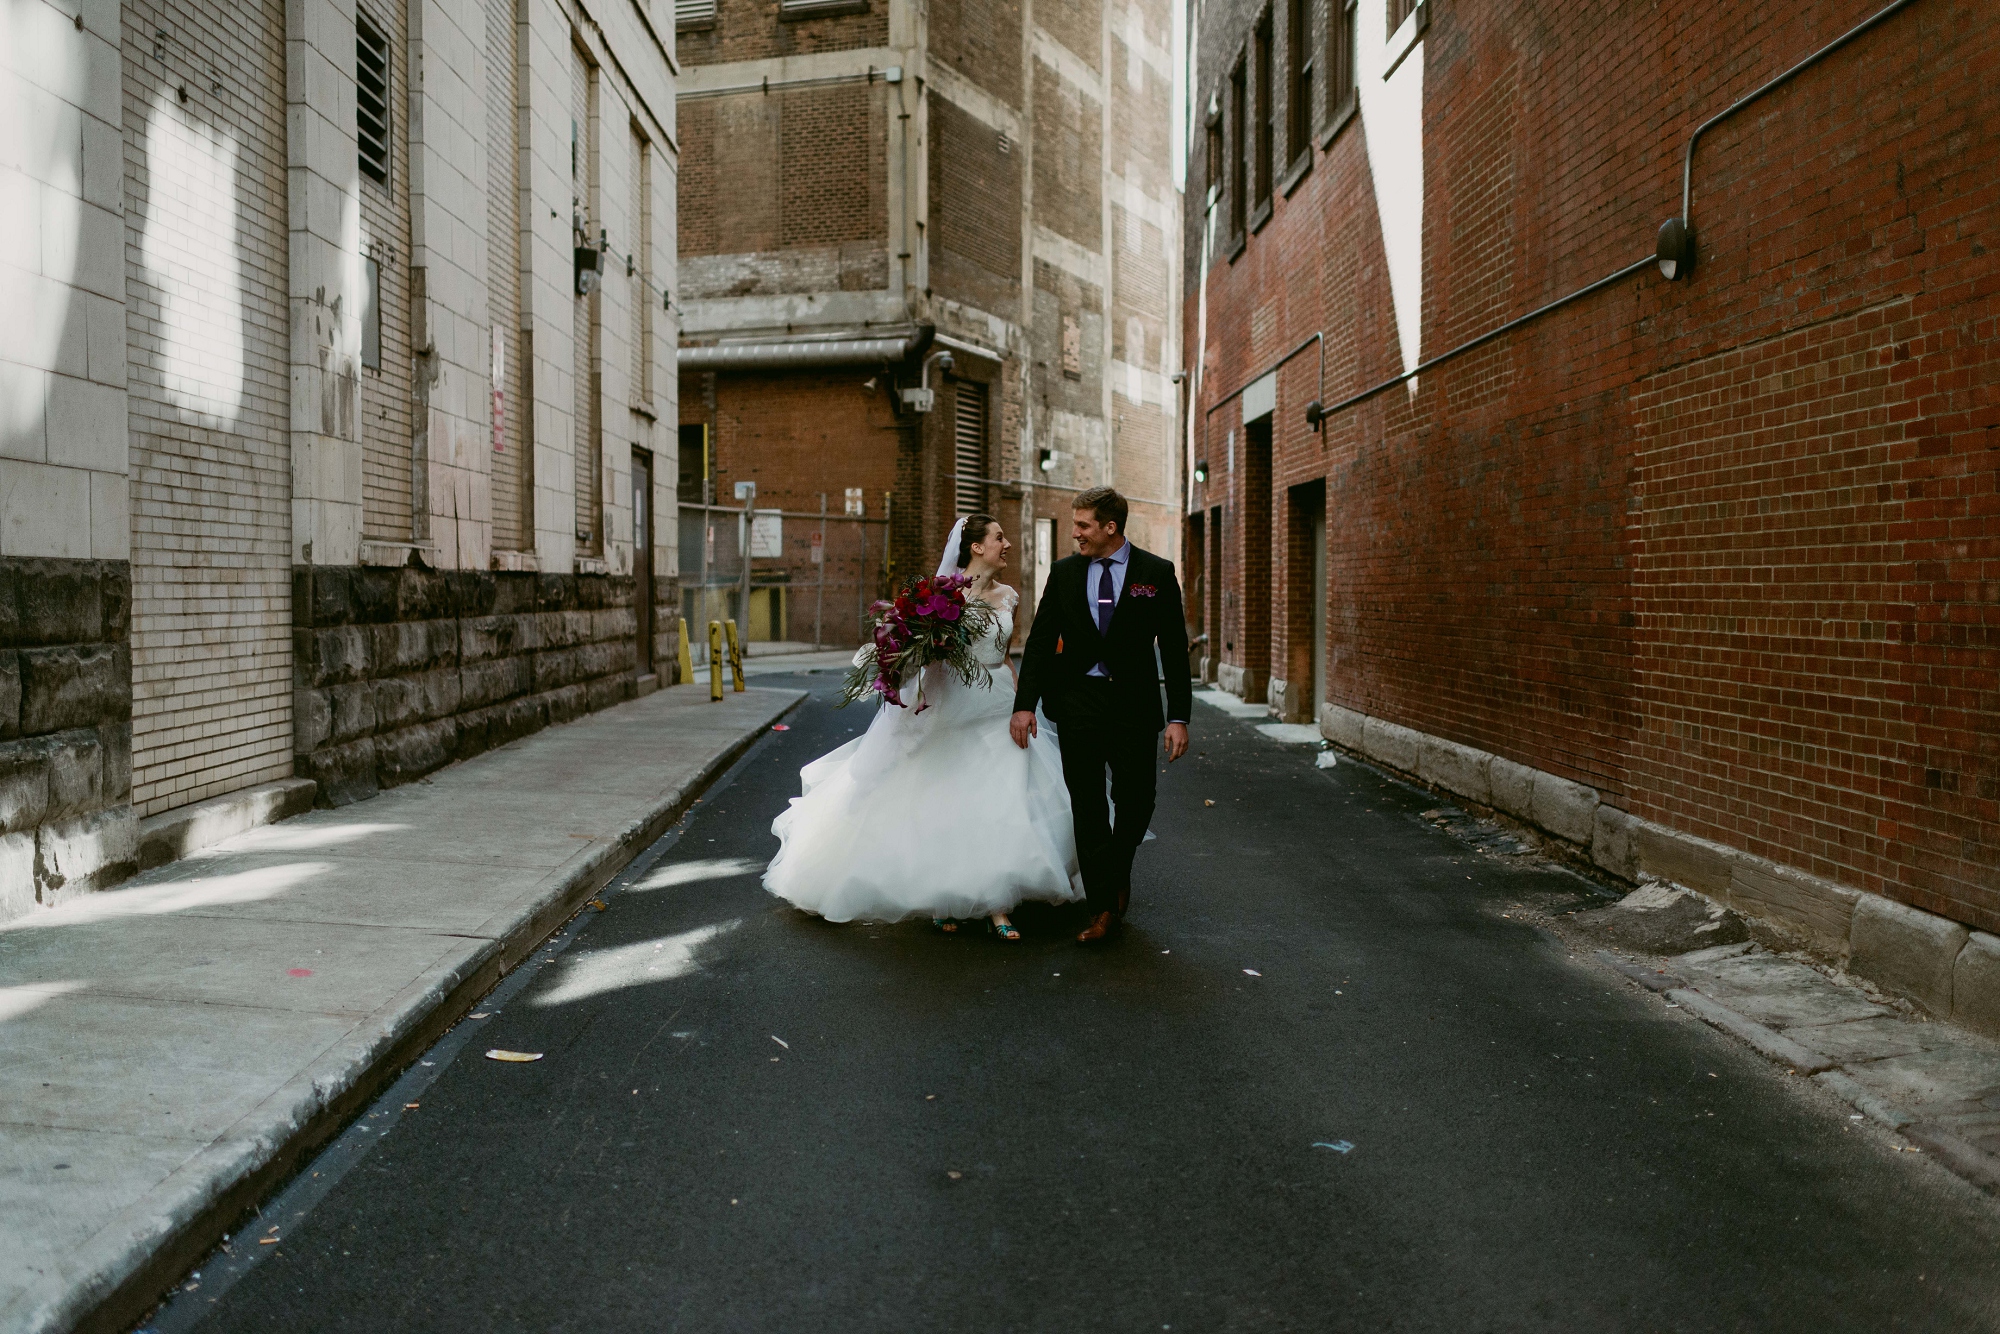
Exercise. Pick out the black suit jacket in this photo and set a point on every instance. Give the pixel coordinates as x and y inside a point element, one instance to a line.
<point>1064,644</point>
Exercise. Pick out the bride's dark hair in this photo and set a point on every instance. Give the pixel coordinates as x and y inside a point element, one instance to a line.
<point>974,531</point>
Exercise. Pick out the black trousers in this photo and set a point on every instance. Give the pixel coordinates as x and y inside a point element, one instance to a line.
<point>1093,740</point>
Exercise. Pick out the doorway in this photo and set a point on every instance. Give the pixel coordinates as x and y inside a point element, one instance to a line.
<point>642,557</point>
<point>1195,548</point>
<point>1255,641</point>
<point>1305,601</point>
<point>1215,588</point>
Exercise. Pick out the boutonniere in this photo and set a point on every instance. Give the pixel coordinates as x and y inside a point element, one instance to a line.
<point>1144,590</point>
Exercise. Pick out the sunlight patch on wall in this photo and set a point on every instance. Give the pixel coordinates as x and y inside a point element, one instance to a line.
<point>1392,114</point>
<point>189,246</point>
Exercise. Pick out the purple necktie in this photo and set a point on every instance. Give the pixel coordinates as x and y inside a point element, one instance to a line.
<point>1107,600</point>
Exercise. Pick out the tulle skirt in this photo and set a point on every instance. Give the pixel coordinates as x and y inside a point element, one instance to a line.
<point>937,814</point>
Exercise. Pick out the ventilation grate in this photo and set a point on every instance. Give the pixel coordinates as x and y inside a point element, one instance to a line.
<point>693,11</point>
<point>371,86</point>
<point>969,445</point>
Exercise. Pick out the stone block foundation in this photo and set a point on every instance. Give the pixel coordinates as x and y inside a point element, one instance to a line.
<point>66,823</point>
<point>398,672</point>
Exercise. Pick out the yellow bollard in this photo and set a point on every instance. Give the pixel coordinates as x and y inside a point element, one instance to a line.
<point>735,655</point>
<point>686,657</point>
<point>715,661</point>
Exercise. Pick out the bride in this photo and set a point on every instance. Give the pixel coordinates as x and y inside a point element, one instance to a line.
<point>934,811</point>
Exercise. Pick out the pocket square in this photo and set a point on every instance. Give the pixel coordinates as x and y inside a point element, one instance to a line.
<point>1144,590</point>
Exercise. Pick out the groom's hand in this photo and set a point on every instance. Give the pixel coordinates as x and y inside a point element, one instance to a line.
<point>1176,741</point>
<point>1022,726</point>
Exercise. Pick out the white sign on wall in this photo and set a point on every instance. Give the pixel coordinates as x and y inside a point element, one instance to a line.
<point>767,535</point>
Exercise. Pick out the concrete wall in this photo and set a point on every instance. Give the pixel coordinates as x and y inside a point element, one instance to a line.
<point>184,414</point>
<point>1717,550</point>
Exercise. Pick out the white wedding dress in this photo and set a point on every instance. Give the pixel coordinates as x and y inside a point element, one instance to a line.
<point>932,814</point>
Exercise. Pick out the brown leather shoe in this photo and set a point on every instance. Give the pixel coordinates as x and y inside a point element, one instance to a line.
<point>1099,930</point>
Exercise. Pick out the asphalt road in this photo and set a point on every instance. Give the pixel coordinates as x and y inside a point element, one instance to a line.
<point>745,1119</point>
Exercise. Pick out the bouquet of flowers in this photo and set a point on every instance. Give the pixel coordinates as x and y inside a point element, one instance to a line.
<point>932,621</point>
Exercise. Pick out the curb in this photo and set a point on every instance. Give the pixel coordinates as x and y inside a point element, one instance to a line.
<point>1952,1152</point>
<point>112,1292</point>
<point>1769,1042</point>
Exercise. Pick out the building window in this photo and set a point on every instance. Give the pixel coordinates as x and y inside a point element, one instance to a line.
<point>644,297</point>
<point>371,315</point>
<point>1216,184</point>
<point>1266,145</point>
<point>1398,11</point>
<point>969,445</point>
<point>371,88</point>
<point>1239,150</point>
<point>1339,57</point>
<point>1298,86</point>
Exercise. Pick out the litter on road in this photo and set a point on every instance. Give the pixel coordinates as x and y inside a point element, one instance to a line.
<point>781,1042</point>
<point>501,1054</point>
<point>1251,972</point>
<point>1338,1146</point>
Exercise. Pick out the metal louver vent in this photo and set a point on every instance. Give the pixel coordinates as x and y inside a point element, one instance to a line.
<point>693,11</point>
<point>969,444</point>
<point>371,86</point>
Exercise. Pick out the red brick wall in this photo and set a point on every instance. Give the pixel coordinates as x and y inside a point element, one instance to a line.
<point>743,30</point>
<point>798,434</point>
<point>1726,549</point>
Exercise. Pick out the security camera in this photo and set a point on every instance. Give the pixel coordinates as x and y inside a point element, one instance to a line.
<point>944,362</point>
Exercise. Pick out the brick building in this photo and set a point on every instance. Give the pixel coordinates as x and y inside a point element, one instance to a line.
<point>869,185</point>
<point>313,463</point>
<point>1698,573</point>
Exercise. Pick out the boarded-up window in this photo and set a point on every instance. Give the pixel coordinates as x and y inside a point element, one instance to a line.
<point>513,480</point>
<point>828,178</point>
<point>975,210</point>
<point>969,446</point>
<point>388,483</point>
<point>1072,348</point>
<point>588,309</point>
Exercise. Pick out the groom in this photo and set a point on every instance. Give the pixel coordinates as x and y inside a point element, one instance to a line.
<point>1090,662</point>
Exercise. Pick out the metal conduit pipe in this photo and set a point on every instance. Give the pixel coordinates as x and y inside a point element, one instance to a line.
<point>1673,250</point>
<point>805,353</point>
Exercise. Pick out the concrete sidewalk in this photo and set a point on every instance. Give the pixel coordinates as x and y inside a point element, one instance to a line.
<point>170,1049</point>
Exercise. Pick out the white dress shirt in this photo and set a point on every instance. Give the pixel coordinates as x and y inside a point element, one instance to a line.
<point>1120,560</point>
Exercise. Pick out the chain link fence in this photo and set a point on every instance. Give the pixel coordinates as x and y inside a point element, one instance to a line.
<point>807,582</point>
